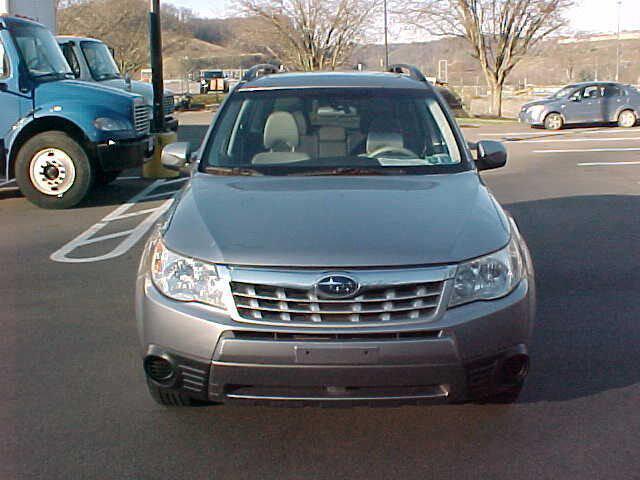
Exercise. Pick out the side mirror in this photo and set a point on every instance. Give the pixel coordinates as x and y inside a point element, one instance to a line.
<point>491,154</point>
<point>575,98</point>
<point>176,155</point>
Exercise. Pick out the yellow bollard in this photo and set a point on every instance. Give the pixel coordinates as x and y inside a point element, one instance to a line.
<point>153,168</point>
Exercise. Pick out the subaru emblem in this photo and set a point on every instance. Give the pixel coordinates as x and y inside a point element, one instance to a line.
<point>336,286</point>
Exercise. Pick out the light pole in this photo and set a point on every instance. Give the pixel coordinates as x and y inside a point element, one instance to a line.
<point>155,41</point>
<point>386,41</point>
<point>618,44</point>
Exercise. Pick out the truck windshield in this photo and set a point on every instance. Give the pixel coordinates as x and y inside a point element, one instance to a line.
<point>40,52</point>
<point>333,132</point>
<point>100,61</point>
<point>210,75</point>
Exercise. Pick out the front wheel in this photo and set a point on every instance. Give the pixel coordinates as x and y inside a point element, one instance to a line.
<point>627,119</point>
<point>53,171</point>
<point>553,121</point>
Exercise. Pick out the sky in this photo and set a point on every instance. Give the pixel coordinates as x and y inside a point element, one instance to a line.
<point>586,15</point>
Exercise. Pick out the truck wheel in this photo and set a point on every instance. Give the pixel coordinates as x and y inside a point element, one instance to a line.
<point>553,121</point>
<point>627,119</point>
<point>53,170</point>
<point>105,178</point>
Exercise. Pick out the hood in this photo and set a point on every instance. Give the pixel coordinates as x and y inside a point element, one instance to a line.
<point>82,92</point>
<point>544,101</point>
<point>141,88</point>
<point>367,221</point>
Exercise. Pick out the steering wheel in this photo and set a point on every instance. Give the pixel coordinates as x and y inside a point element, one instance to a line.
<point>405,152</point>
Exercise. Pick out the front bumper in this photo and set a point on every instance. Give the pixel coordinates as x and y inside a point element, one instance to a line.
<point>449,359</point>
<point>526,116</point>
<point>122,154</point>
<point>171,123</point>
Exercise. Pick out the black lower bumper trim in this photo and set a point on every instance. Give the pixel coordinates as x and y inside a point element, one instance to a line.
<point>122,154</point>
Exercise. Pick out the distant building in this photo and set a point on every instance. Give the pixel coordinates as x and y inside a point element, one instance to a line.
<point>43,11</point>
<point>600,37</point>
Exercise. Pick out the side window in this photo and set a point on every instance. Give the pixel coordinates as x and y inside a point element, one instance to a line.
<point>613,91</point>
<point>592,91</point>
<point>72,60</point>
<point>4,62</point>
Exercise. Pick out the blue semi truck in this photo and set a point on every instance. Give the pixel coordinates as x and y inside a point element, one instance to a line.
<point>60,136</point>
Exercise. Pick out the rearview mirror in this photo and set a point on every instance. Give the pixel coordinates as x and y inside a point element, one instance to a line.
<point>176,155</point>
<point>491,154</point>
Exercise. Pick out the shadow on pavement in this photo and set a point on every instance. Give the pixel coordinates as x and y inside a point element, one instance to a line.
<point>586,255</point>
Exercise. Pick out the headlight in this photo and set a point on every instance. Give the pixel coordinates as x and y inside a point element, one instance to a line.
<point>489,277</point>
<point>535,110</point>
<point>107,124</point>
<point>185,279</point>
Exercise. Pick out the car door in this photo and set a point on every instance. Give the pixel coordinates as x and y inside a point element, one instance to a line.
<point>592,105</point>
<point>13,103</point>
<point>572,107</point>
<point>614,99</point>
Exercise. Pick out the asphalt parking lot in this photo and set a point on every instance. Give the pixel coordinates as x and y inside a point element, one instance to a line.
<point>74,402</point>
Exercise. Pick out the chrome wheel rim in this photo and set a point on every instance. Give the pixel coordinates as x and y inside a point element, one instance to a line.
<point>554,122</point>
<point>52,171</point>
<point>627,119</point>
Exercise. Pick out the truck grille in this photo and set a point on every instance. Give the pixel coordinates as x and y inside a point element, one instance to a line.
<point>141,119</point>
<point>397,303</point>
<point>168,105</point>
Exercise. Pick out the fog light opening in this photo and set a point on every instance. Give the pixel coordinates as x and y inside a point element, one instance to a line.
<point>159,368</point>
<point>515,368</point>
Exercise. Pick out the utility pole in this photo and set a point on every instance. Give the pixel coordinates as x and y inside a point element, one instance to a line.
<point>155,39</point>
<point>618,44</point>
<point>386,41</point>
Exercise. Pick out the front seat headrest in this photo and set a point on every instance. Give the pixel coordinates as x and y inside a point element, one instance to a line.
<point>377,140</point>
<point>281,130</point>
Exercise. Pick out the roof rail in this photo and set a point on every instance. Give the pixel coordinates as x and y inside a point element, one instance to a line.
<point>410,70</point>
<point>259,70</point>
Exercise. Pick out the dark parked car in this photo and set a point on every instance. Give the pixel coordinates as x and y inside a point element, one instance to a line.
<point>584,103</point>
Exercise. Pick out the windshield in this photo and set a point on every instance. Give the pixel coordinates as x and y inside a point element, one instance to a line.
<point>333,131</point>
<point>563,92</point>
<point>40,52</point>
<point>209,75</point>
<point>100,61</point>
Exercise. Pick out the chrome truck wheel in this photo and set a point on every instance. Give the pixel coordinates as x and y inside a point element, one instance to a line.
<point>53,170</point>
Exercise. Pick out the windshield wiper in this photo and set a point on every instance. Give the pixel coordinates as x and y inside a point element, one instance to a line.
<point>231,171</point>
<point>55,75</point>
<point>350,171</point>
<point>107,76</point>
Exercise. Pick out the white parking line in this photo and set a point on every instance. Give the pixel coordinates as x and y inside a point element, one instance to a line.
<point>603,164</point>
<point>554,140</point>
<point>585,150</point>
<point>131,236</point>
<point>563,132</point>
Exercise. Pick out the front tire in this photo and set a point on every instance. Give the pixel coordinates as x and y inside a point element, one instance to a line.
<point>553,121</point>
<point>53,171</point>
<point>627,119</point>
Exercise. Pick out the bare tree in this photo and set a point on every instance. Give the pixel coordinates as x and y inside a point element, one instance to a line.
<point>314,34</point>
<point>121,24</point>
<point>499,32</point>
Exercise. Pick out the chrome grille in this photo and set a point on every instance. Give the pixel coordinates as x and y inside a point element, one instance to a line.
<point>277,304</point>
<point>141,119</point>
<point>168,105</point>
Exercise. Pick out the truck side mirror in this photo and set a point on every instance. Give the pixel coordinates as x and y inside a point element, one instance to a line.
<point>176,155</point>
<point>491,154</point>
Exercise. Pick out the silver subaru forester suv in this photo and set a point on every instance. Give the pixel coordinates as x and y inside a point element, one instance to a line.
<point>335,245</point>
